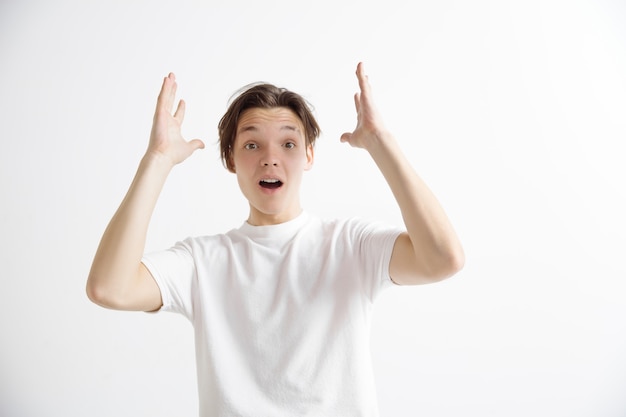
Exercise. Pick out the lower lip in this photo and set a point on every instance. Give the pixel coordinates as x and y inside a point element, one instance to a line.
<point>267,190</point>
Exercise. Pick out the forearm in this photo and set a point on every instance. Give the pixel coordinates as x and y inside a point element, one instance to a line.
<point>435,245</point>
<point>117,260</point>
<point>430,250</point>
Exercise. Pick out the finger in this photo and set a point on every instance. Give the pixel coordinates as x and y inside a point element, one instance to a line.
<point>357,103</point>
<point>196,144</point>
<point>172,91</point>
<point>364,85</point>
<point>180,111</point>
<point>346,137</point>
<point>163,93</point>
<point>166,99</point>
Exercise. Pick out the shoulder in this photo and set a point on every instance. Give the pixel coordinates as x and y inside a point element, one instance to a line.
<point>354,228</point>
<point>203,243</point>
<point>360,226</point>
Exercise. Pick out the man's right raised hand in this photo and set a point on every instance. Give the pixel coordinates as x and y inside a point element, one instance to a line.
<point>166,139</point>
<point>118,279</point>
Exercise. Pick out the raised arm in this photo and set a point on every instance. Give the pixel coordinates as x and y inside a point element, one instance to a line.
<point>429,250</point>
<point>117,278</point>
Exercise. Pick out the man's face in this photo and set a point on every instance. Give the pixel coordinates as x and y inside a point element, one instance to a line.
<point>270,155</point>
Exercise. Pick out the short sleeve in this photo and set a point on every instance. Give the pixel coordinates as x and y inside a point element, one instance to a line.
<point>174,272</point>
<point>373,243</point>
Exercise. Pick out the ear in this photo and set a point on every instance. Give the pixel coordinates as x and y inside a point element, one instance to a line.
<point>231,163</point>
<point>310,156</point>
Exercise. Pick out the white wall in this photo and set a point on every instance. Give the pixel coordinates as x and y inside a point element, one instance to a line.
<point>513,111</point>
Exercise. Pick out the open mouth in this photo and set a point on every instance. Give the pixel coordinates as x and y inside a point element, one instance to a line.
<point>270,183</point>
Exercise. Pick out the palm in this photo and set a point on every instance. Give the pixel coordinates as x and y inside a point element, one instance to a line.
<point>166,138</point>
<point>369,122</point>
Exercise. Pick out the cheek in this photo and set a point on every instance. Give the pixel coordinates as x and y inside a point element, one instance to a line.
<point>240,162</point>
<point>299,165</point>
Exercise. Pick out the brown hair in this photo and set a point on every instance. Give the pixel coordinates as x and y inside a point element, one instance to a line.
<point>264,96</point>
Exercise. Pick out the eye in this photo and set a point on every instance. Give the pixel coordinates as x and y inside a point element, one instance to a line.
<point>289,145</point>
<point>250,146</point>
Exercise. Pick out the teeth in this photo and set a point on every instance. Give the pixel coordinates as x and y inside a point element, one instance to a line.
<point>271,180</point>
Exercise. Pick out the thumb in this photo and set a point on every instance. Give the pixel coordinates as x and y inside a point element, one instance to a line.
<point>196,144</point>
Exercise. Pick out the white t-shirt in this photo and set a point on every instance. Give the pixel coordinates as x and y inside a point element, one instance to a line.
<point>281,314</point>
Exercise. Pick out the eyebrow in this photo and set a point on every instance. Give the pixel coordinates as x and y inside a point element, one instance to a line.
<point>253,128</point>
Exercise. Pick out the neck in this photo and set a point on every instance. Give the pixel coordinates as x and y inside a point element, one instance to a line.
<point>257,218</point>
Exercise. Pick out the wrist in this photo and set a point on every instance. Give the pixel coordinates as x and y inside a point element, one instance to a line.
<point>156,160</point>
<point>381,141</point>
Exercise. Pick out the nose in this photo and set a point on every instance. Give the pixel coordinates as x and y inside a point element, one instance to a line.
<point>269,158</point>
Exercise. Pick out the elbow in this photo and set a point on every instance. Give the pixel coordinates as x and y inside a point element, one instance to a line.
<point>448,265</point>
<point>455,257</point>
<point>455,262</point>
<point>95,293</point>
<point>99,294</point>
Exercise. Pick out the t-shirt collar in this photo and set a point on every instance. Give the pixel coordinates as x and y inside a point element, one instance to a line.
<point>275,231</point>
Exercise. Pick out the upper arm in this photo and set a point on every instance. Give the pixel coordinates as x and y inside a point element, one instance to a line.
<point>148,294</point>
<point>404,269</point>
<point>409,266</point>
<point>141,294</point>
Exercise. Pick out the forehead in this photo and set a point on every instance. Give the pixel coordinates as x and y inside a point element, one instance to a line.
<point>256,119</point>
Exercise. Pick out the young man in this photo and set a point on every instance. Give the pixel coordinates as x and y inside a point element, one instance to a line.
<point>280,306</point>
